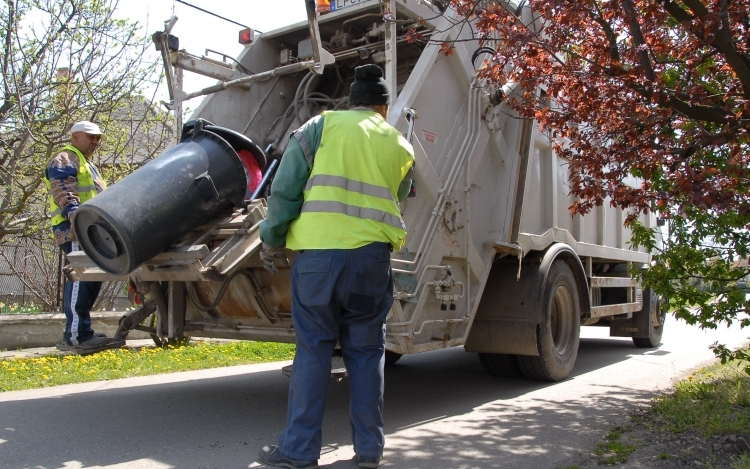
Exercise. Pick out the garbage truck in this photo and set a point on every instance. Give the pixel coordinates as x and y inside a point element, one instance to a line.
<point>493,262</point>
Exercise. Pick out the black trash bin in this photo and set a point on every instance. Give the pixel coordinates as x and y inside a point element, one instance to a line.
<point>145,212</point>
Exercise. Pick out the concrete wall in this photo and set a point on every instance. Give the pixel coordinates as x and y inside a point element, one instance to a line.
<point>46,330</point>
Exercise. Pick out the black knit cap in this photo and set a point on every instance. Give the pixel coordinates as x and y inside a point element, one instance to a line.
<point>369,87</point>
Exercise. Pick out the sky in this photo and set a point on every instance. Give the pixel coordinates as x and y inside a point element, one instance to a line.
<point>199,31</point>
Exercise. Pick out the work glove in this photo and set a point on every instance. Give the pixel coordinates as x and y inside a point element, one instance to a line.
<point>269,255</point>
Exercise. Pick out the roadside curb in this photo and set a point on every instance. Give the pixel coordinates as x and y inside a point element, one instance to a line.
<point>25,331</point>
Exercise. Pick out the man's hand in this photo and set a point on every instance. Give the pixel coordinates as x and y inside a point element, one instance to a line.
<point>270,254</point>
<point>71,197</point>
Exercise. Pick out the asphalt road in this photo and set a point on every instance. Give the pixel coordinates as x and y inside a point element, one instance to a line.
<point>442,411</point>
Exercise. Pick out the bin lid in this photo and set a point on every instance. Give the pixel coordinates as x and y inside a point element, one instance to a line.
<point>240,142</point>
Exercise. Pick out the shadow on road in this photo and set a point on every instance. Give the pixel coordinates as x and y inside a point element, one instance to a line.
<point>442,410</point>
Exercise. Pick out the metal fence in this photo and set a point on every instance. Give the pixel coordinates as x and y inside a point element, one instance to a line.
<point>31,280</point>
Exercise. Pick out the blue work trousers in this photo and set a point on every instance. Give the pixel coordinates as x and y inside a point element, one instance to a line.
<point>78,299</point>
<point>338,295</point>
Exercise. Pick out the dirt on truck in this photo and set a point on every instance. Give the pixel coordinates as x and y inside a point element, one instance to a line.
<point>493,261</point>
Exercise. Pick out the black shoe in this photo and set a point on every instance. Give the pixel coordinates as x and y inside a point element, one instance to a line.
<point>94,344</point>
<point>368,463</point>
<point>271,456</point>
<point>64,347</point>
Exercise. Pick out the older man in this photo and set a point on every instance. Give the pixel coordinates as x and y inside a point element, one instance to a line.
<point>72,179</point>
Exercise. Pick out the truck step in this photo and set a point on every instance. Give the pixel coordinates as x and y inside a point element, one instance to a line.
<point>338,370</point>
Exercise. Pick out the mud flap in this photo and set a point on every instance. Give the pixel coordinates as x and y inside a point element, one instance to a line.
<point>640,324</point>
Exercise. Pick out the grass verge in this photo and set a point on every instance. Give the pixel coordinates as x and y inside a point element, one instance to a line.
<point>28,373</point>
<point>713,401</point>
<point>691,425</point>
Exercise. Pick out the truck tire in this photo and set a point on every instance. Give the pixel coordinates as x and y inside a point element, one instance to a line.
<point>392,357</point>
<point>558,334</point>
<point>653,320</point>
<point>502,365</point>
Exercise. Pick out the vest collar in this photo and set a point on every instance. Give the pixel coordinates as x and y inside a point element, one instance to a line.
<point>75,150</point>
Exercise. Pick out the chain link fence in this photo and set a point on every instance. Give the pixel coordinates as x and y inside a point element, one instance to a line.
<point>31,280</point>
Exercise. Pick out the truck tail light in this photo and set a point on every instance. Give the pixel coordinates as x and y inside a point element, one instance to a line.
<point>323,6</point>
<point>247,36</point>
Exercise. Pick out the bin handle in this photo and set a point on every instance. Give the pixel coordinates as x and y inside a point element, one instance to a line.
<point>206,177</point>
<point>193,128</point>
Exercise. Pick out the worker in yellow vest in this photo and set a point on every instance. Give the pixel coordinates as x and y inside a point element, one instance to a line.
<point>72,180</point>
<point>335,201</point>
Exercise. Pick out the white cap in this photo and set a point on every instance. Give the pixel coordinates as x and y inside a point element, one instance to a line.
<point>86,127</point>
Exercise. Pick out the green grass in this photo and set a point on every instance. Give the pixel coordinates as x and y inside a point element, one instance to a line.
<point>712,401</point>
<point>616,433</point>
<point>20,309</point>
<point>742,462</point>
<point>614,451</point>
<point>28,373</point>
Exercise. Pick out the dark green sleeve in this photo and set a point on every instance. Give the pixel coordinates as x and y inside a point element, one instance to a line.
<point>288,186</point>
<point>405,187</point>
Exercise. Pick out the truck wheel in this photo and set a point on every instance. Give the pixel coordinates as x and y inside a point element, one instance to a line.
<point>653,322</point>
<point>392,357</point>
<point>558,334</point>
<point>501,364</point>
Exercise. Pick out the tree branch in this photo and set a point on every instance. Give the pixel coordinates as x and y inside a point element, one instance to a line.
<point>638,40</point>
<point>724,43</point>
<point>7,55</point>
<point>614,52</point>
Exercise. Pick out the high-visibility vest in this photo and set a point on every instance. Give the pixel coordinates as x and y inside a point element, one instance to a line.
<point>350,199</point>
<point>86,186</point>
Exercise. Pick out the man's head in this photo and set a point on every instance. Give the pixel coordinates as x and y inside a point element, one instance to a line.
<point>86,136</point>
<point>370,89</point>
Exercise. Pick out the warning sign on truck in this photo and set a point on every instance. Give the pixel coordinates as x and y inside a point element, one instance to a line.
<point>429,136</point>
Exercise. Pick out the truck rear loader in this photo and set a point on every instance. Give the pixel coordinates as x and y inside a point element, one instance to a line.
<point>494,262</point>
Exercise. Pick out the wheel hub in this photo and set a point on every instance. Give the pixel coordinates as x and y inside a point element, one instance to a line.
<point>562,319</point>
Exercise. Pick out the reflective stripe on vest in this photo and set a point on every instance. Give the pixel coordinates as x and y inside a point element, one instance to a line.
<point>354,211</point>
<point>305,148</point>
<point>348,184</point>
<point>81,190</point>
<point>350,197</point>
<point>86,185</point>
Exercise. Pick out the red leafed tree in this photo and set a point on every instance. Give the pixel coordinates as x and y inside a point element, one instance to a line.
<point>659,90</point>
